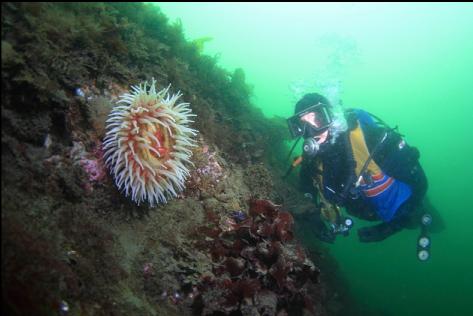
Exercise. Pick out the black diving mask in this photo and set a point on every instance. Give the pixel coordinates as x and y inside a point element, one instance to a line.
<point>310,122</point>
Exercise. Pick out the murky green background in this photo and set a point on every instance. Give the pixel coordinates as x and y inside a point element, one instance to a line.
<point>410,64</point>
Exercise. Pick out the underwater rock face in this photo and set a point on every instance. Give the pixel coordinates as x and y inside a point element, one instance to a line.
<point>147,145</point>
<point>70,243</point>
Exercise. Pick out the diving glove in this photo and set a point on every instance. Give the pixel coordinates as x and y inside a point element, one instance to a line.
<point>325,235</point>
<point>321,229</point>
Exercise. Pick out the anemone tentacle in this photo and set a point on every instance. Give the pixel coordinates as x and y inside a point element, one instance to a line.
<point>147,146</point>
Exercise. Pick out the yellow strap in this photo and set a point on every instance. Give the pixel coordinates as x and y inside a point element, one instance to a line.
<point>361,153</point>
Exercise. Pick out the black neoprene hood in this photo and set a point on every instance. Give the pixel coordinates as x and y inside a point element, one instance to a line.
<point>309,100</point>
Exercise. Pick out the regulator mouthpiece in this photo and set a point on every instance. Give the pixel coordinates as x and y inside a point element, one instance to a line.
<point>311,147</point>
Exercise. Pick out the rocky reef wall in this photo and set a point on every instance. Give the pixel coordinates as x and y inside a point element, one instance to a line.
<point>72,244</point>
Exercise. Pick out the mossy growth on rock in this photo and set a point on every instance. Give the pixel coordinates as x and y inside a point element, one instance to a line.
<point>82,244</point>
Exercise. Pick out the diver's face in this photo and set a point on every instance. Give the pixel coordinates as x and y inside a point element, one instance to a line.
<point>312,119</point>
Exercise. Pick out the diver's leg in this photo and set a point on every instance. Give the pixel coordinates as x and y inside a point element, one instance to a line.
<point>438,224</point>
<point>378,232</point>
<point>404,218</point>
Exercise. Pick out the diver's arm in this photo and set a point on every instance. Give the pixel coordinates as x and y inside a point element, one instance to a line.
<point>311,215</point>
<point>306,184</point>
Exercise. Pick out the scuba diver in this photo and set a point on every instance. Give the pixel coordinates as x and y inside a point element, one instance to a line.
<point>352,159</point>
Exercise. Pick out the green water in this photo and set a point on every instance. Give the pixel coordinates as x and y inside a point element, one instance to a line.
<point>410,64</point>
